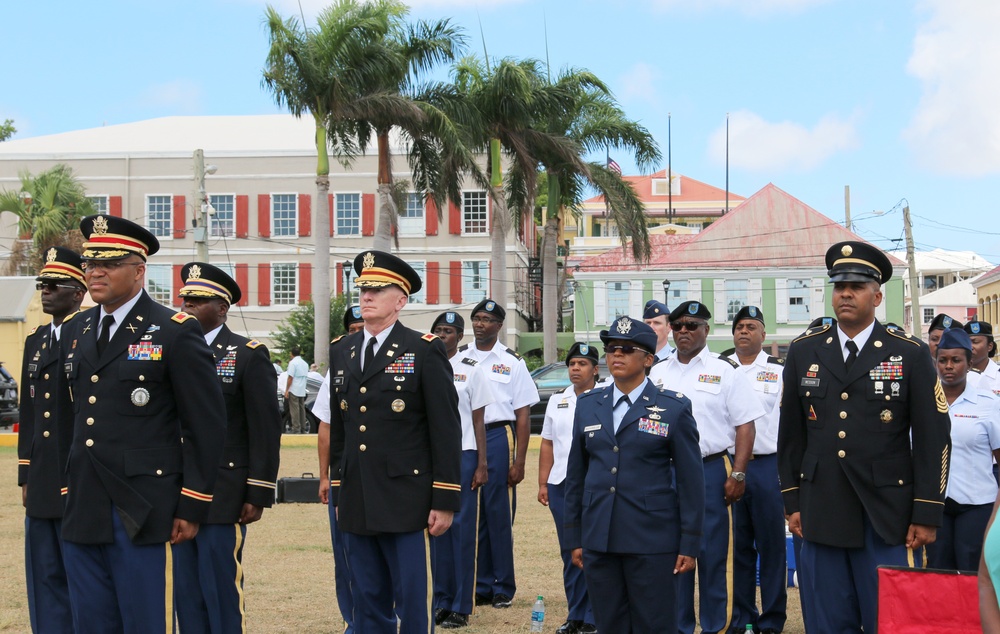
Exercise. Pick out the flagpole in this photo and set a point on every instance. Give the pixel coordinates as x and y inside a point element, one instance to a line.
<point>727,164</point>
<point>670,178</point>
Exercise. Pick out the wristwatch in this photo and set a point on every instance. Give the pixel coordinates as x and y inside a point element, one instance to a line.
<point>739,476</point>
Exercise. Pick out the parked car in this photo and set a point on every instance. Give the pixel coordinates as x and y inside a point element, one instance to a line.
<point>312,389</point>
<point>8,398</point>
<point>552,378</point>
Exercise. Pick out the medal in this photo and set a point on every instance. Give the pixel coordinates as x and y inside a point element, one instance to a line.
<point>398,405</point>
<point>140,397</point>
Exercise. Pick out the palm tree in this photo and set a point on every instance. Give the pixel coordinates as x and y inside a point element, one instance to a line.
<point>327,72</point>
<point>596,123</point>
<point>511,99</point>
<point>48,207</point>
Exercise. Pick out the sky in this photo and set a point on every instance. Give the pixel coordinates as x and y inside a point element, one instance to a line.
<point>895,99</point>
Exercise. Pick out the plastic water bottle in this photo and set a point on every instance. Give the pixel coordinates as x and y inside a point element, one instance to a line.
<point>750,628</point>
<point>538,615</point>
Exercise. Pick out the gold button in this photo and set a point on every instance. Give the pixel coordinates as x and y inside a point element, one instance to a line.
<point>843,396</point>
<point>842,434</point>
<point>90,442</point>
<point>900,483</point>
<point>363,409</point>
<point>363,389</point>
<point>615,449</point>
<point>808,393</point>
<point>142,377</point>
<point>362,447</point>
<point>231,465</point>
<point>842,453</point>
<point>47,395</point>
<point>45,433</point>
<point>887,397</point>
<point>95,379</point>
<point>399,387</point>
<point>614,470</point>
<point>90,421</point>
<point>416,472</point>
<point>46,376</point>
<point>92,400</point>
<point>47,415</point>
<point>159,472</point>
<point>843,415</point>
<point>362,429</point>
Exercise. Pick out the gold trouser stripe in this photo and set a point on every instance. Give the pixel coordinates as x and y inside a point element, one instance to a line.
<point>168,593</point>
<point>239,577</point>
<point>475,559</point>
<point>511,453</point>
<point>729,554</point>
<point>430,582</point>
<point>916,559</point>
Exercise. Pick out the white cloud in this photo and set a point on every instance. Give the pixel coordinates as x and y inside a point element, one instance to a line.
<point>956,56</point>
<point>747,7</point>
<point>759,145</point>
<point>638,83</point>
<point>179,96</point>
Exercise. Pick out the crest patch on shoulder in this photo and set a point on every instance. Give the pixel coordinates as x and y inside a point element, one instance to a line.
<point>429,337</point>
<point>253,344</point>
<point>33,330</point>
<point>181,317</point>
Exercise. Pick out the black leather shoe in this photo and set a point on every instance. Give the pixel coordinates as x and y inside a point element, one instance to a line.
<point>569,627</point>
<point>440,614</point>
<point>484,599</point>
<point>502,601</point>
<point>587,628</point>
<point>455,621</point>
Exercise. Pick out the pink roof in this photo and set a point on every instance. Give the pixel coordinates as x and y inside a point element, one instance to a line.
<point>691,191</point>
<point>768,230</point>
<point>993,275</point>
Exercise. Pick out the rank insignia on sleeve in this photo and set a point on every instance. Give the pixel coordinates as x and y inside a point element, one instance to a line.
<point>939,399</point>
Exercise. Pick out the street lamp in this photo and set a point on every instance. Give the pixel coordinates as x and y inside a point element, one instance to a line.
<point>347,265</point>
<point>666,293</point>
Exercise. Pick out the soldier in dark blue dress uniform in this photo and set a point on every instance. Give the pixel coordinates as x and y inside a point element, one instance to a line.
<point>863,447</point>
<point>395,451</point>
<point>46,420</point>
<point>148,433</point>
<point>208,570</point>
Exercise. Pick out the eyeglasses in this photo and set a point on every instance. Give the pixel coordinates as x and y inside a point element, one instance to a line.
<point>105,265</point>
<point>690,326</point>
<point>485,320</point>
<point>624,349</point>
<point>52,286</point>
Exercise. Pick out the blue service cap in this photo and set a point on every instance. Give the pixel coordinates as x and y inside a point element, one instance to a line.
<point>954,338</point>
<point>634,330</point>
<point>655,309</point>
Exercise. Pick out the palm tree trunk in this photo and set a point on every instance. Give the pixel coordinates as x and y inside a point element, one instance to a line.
<point>386,205</point>
<point>321,259</point>
<point>551,292</point>
<point>498,236</point>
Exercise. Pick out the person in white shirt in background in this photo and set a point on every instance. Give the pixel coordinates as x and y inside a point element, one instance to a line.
<point>295,391</point>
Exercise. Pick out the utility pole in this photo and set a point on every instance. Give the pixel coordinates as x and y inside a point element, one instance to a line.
<point>911,262</point>
<point>847,207</point>
<point>200,218</point>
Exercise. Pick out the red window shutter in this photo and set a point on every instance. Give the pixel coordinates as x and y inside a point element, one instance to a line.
<point>180,218</point>
<point>115,206</point>
<point>264,220</point>
<point>305,281</point>
<point>367,214</point>
<point>178,284</point>
<point>431,217</point>
<point>242,216</point>
<point>454,219</point>
<point>329,206</point>
<point>433,282</point>
<point>305,215</point>
<point>456,282</point>
<point>340,278</point>
<point>243,281</point>
<point>263,284</point>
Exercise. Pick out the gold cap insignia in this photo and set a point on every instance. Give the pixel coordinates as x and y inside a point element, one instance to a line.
<point>100,225</point>
<point>624,325</point>
<point>846,250</point>
<point>194,272</point>
<point>50,256</point>
<point>369,260</point>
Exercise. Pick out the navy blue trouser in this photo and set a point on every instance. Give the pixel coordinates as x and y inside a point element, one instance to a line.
<point>45,574</point>
<point>341,573</point>
<point>573,579</point>
<point>208,580</point>
<point>960,537</point>
<point>454,553</point>
<point>497,506</point>
<point>632,594</point>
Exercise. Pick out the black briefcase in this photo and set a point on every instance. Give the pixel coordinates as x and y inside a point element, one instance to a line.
<point>303,489</point>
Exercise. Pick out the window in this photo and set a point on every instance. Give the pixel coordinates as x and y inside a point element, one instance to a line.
<point>475,281</point>
<point>421,270</point>
<point>159,209</point>
<point>475,219</point>
<point>284,283</point>
<point>678,294</point>
<point>737,296</point>
<point>928,315</point>
<point>160,283</point>
<point>617,300</point>
<point>411,216</point>
<point>347,215</point>
<point>223,223</point>
<point>284,215</point>
<point>798,301</point>
<point>100,204</point>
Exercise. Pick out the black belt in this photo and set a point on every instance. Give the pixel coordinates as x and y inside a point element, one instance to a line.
<point>760,455</point>
<point>498,424</point>
<point>714,456</point>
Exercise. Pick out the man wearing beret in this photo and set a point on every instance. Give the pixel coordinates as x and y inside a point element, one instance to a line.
<point>657,316</point>
<point>209,569</point>
<point>939,325</point>
<point>725,408</point>
<point>46,419</point>
<point>634,489</point>
<point>985,374</point>
<point>508,428</point>
<point>863,447</point>
<point>759,518</point>
<point>148,434</point>
<point>395,451</point>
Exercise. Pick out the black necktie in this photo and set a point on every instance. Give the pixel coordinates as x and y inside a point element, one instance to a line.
<point>105,336</point>
<point>369,354</point>
<point>852,353</point>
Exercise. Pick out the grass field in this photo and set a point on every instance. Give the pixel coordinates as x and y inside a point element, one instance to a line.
<point>289,563</point>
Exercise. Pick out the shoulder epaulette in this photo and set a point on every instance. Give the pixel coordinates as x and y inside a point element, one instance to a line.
<point>429,337</point>
<point>589,393</point>
<point>463,348</point>
<point>977,371</point>
<point>516,355</point>
<point>70,316</point>
<point>813,332</point>
<point>253,344</point>
<point>33,330</point>
<point>470,361</point>
<point>181,317</point>
<point>729,361</point>
<point>905,336</point>
<point>336,339</point>
<point>671,393</point>
<point>777,360</point>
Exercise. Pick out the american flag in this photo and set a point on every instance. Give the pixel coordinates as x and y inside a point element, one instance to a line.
<point>614,166</point>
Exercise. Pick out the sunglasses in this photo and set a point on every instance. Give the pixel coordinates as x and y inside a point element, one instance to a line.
<point>690,326</point>
<point>109,265</point>
<point>624,349</point>
<point>52,286</point>
<point>485,320</point>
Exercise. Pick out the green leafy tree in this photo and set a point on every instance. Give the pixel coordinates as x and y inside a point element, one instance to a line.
<point>48,207</point>
<point>7,129</point>
<point>298,329</point>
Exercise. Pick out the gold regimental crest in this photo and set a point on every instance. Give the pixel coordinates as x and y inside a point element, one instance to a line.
<point>886,416</point>
<point>100,225</point>
<point>369,260</point>
<point>846,250</point>
<point>343,405</point>
<point>939,399</point>
<point>194,272</point>
<point>50,256</point>
<point>624,325</point>
<point>398,405</point>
